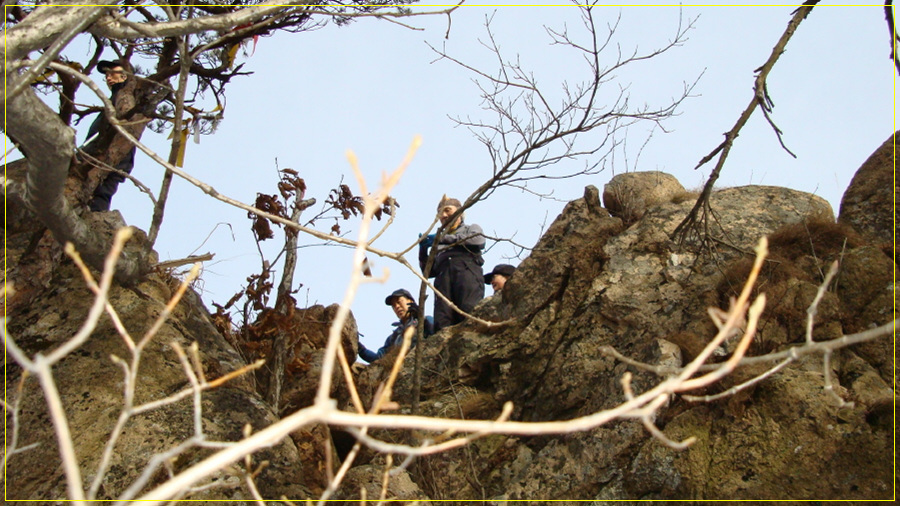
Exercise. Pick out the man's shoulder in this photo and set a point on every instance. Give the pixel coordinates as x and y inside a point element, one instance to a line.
<point>469,228</point>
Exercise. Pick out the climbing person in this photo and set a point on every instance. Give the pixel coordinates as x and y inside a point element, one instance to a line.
<point>406,309</point>
<point>116,77</point>
<point>497,278</point>
<point>457,265</point>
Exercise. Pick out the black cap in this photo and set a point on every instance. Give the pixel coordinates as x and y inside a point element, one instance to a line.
<point>398,293</point>
<point>502,269</point>
<point>104,66</point>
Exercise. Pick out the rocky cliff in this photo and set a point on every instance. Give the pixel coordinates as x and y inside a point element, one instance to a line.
<point>607,274</point>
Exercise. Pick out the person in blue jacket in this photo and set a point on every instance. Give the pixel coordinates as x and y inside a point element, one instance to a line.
<point>404,306</point>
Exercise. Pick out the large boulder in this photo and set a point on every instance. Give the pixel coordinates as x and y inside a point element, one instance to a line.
<point>629,195</point>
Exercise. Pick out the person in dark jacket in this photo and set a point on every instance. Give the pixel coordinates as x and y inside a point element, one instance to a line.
<point>116,76</point>
<point>404,306</point>
<point>457,265</point>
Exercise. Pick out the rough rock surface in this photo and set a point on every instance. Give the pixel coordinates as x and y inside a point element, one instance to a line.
<point>868,203</point>
<point>90,385</point>
<point>307,334</point>
<point>367,482</point>
<point>593,281</point>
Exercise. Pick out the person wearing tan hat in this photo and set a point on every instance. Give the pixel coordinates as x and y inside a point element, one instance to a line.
<point>404,306</point>
<point>457,265</point>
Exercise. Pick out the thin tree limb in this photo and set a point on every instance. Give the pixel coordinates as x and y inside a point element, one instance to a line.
<point>698,214</point>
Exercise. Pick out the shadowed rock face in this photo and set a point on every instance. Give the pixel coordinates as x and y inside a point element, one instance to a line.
<point>592,281</point>
<point>90,385</point>
<point>868,203</point>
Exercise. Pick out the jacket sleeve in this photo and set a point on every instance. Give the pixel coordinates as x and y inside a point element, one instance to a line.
<point>94,129</point>
<point>470,236</point>
<point>371,356</point>
<point>367,354</point>
<point>423,258</point>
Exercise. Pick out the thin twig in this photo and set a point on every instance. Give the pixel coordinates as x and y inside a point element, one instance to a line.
<point>813,308</point>
<point>90,323</point>
<point>249,474</point>
<point>12,445</point>
<point>737,388</point>
<point>348,378</point>
<point>167,311</point>
<point>179,138</point>
<point>829,386</point>
<point>428,447</point>
<point>385,479</point>
<point>169,264</point>
<point>95,162</point>
<point>659,370</point>
<point>92,285</point>
<point>371,203</point>
<point>195,388</point>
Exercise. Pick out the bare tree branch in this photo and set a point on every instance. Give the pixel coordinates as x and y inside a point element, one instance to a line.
<point>43,26</point>
<point>48,143</point>
<point>895,39</point>
<point>90,15</point>
<point>115,29</point>
<point>179,138</point>
<point>694,224</point>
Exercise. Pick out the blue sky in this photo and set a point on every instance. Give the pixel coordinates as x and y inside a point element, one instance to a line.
<point>372,86</point>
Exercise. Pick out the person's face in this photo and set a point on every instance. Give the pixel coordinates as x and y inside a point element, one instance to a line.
<point>400,305</point>
<point>446,213</point>
<point>497,282</point>
<point>115,75</point>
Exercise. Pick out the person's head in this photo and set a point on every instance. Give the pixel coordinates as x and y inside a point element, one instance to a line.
<point>400,301</point>
<point>114,71</point>
<point>497,282</point>
<point>497,277</point>
<point>446,209</point>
